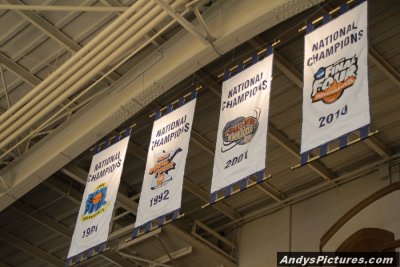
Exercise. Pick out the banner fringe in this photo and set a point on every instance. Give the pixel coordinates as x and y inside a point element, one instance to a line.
<point>155,224</point>
<point>242,185</point>
<point>85,255</point>
<point>343,143</point>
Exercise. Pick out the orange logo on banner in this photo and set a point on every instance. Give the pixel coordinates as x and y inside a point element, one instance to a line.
<point>331,81</point>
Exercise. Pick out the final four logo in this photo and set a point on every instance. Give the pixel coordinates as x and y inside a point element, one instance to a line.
<point>240,131</point>
<point>331,81</point>
<point>161,170</point>
<point>95,203</point>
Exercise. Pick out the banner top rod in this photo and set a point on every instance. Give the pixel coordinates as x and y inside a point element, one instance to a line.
<point>275,43</point>
<point>176,101</point>
<point>333,11</point>
<point>112,137</point>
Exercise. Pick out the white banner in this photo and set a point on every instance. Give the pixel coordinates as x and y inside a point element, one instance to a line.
<point>162,183</point>
<point>335,94</point>
<point>242,131</point>
<point>92,225</point>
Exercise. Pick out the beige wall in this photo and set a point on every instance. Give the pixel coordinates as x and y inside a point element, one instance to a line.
<point>261,239</point>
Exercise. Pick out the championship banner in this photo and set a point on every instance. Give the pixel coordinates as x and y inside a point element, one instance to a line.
<point>242,131</point>
<point>166,159</point>
<point>92,225</point>
<point>335,93</point>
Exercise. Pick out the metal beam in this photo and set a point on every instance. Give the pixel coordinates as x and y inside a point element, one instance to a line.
<point>63,230</point>
<point>46,27</point>
<point>30,249</point>
<point>199,245</point>
<point>43,219</point>
<point>182,21</point>
<point>52,31</point>
<point>384,66</point>
<point>19,71</point>
<point>175,255</point>
<point>293,149</point>
<point>62,8</point>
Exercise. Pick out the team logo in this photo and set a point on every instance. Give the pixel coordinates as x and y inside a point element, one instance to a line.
<point>240,131</point>
<point>162,168</point>
<point>331,81</point>
<point>96,202</point>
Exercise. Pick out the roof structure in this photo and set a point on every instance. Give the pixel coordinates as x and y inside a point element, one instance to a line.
<point>61,92</point>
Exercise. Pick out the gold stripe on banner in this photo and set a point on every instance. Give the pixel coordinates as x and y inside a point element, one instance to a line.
<point>333,11</point>
<point>176,100</point>
<point>112,137</point>
<point>274,44</point>
<point>334,150</point>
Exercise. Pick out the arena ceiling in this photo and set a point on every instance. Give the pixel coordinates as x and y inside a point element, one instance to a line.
<point>40,197</point>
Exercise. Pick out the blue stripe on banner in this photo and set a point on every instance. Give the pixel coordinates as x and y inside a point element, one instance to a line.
<point>227,191</point>
<point>343,141</point>
<point>147,227</point>
<point>90,253</point>
<point>119,137</point>
<point>304,158</point>
<point>193,95</point>
<point>128,132</point>
<point>243,184</point>
<point>158,114</point>
<point>326,18</point>
<point>161,221</point>
<point>68,262</point>
<point>309,27</point>
<point>364,131</point>
<point>344,8</point>
<point>361,1</point>
<point>96,149</point>
<point>254,59</point>
<point>102,247</point>
<point>227,75</point>
<point>107,144</point>
<point>260,176</point>
<point>213,197</point>
<point>240,67</point>
<point>269,51</point>
<point>175,215</point>
<point>78,258</point>
<point>169,108</point>
<point>323,150</point>
<point>135,232</point>
<point>181,101</point>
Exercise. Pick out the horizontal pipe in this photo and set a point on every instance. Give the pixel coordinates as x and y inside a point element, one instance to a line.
<point>76,86</point>
<point>75,58</point>
<point>73,74</point>
<point>35,131</point>
<point>64,8</point>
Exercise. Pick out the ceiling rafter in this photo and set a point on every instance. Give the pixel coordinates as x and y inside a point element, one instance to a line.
<point>52,32</point>
<point>29,248</point>
<point>62,230</point>
<point>158,41</point>
<point>384,66</point>
<point>19,71</point>
<point>296,77</point>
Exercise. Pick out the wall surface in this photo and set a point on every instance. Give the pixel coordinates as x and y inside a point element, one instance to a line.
<point>299,227</point>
